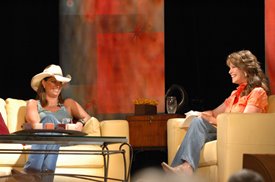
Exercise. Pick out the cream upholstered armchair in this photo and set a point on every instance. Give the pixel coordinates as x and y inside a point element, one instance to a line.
<point>237,134</point>
<point>13,112</point>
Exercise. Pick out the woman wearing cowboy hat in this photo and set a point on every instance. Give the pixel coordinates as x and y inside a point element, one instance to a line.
<point>49,107</point>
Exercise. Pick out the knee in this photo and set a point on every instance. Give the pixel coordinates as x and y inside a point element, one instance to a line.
<point>49,119</point>
<point>197,121</point>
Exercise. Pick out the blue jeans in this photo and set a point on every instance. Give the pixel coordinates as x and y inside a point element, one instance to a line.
<point>200,131</point>
<point>43,162</point>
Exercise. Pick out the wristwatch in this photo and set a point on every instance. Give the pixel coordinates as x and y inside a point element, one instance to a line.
<point>81,121</point>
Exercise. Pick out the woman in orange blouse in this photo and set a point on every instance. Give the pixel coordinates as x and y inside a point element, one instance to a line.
<point>250,97</point>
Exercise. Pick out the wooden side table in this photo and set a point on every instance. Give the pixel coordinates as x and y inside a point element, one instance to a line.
<point>148,137</point>
<point>149,131</point>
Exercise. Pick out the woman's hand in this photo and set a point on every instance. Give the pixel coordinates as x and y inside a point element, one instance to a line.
<point>78,126</point>
<point>209,117</point>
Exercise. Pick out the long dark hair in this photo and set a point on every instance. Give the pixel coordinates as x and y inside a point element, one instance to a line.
<point>247,62</point>
<point>41,95</point>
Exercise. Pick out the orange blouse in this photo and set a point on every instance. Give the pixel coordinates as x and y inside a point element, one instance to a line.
<point>257,97</point>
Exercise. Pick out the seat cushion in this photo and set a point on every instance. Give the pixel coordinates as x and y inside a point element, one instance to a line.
<point>92,127</point>
<point>208,155</point>
<point>91,160</point>
<point>12,159</point>
<point>16,111</point>
<point>80,161</point>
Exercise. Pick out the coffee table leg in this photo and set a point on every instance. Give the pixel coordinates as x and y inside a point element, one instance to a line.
<point>127,174</point>
<point>106,157</point>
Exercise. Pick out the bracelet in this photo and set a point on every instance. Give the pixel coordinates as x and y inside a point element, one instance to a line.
<point>81,121</point>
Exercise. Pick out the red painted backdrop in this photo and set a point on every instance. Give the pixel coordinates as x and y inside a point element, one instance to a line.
<point>114,50</point>
<point>270,41</point>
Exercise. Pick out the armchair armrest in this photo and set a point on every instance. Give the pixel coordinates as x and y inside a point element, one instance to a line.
<point>175,135</point>
<point>116,128</point>
<point>240,133</point>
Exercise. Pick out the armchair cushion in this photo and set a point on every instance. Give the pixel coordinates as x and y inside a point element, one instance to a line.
<point>16,111</point>
<point>83,161</point>
<point>208,155</point>
<point>12,159</point>
<point>92,127</point>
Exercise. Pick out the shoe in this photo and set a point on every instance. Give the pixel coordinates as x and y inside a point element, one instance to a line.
<point>23,176</point>
<point>16,172</point>
<point>167,168</point>
<point>183,169</point>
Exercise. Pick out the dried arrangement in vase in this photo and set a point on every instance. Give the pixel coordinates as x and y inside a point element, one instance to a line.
<point>144,106</point>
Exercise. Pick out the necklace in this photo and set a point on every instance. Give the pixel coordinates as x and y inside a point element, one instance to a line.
<point>53,106</point>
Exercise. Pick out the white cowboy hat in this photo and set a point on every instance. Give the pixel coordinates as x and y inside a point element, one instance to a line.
<point>51,70</point>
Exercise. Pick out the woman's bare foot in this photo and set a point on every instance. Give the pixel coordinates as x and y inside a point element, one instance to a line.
<point>166,168</point>
<point>184,169</point>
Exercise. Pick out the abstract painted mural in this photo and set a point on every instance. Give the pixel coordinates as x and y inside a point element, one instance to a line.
<point>270,42</point>
<point>114,51</point>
